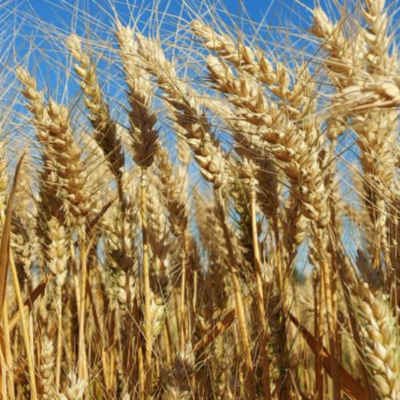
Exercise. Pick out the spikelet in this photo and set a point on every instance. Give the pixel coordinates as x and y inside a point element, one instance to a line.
<point>56,251</point>
<point>105,128</point>
<point>159,236</point>
<point>121,255</point>
<point>178,386</point>
<point>243,58</point>
<point>377,37</point>
<point>172,189</point>
<point>142,130</point>
<point>346,57</point>
<point>75,389</point>
<point>250,147</point>
<point>380,335</point>
<point>116,288</point>
<point>47,368</point>
<point>293,146</point>
<point>54,132</point>
<point>157,314</point>
<point>379,93</point>
<point>207,152</point>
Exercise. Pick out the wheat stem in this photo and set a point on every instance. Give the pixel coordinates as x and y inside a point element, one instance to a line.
<point>260,293</point>
<point>238,298</point>
<point>146,282</point>
<point>83,373</point>
<point>59,337</point>
<point>6,358</point>
<point>25,331</point>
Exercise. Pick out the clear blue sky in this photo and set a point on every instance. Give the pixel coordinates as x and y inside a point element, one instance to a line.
<point>268,12</point>
<point>53,10</point>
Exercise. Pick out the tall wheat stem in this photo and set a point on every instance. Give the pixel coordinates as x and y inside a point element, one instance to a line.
<point>81,341</point>
<point>346,277</point>
<point>183,289</point>
<point>7,358</point>
<point>140,364</point>
<point>146,282</point>
<point>331,318</point>
<point>112,341</point>
<point>318,332</point>
<point>59,337</point>
<point>3,367</point>
<point>260,293</point>
<point>25,331</point>
<point>238,298</point>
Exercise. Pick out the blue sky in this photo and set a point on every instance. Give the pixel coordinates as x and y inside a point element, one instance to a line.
<point>51,10</point>
<point>268,12</point>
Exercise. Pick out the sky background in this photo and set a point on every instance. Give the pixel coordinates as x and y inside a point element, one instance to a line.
<point>61,13</point>
<point>53,10</point>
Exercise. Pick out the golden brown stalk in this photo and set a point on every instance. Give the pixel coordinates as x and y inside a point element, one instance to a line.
<point>247,174</point>
<point>146,282</point>
<point>6,262</point>
<point>234,271</point>
<point>318,333</point>
<point>3,178</point>
<point>296,145</point>
<point>7,384</point>
<point>24,323</point>
<point>144,143</point>
<point>331,316</point>
<point>173,190</point>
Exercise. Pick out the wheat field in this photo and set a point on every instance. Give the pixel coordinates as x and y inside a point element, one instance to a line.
<point>193,207</point>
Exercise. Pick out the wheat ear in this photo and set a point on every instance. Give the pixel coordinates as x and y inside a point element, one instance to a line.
<point>105,128</point>
<point>144,142</point>
<point>207,154</point>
